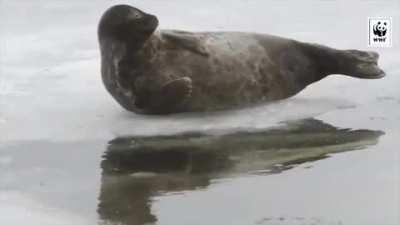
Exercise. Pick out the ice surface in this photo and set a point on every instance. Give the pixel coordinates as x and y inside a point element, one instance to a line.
<point>51,92</point>
<point>51,86</point>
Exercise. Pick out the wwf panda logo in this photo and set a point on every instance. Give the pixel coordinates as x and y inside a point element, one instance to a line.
<point>380,29</point>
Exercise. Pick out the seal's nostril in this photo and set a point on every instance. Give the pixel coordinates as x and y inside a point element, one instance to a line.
<point>154,20</point>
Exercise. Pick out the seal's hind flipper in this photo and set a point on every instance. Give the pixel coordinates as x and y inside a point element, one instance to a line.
<point>362,64</point>
<point>186,40</point>
<point>176,91</point>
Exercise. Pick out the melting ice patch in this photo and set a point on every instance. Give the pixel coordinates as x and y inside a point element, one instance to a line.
<point>8,87</point>
<point>18,208</point>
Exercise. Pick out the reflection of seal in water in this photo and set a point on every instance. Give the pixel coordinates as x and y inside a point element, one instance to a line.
<point>136,170</point>
<point>163,71</point>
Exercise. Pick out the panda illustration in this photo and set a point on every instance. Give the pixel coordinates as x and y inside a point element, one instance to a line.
<point>380,29</point>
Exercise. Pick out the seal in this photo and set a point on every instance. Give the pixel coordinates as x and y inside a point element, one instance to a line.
<point>168,71</point>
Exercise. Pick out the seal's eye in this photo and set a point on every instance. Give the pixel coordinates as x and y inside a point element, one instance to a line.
<point>137,15</point>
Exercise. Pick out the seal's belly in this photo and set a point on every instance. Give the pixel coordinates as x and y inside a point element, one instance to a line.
<point>237,70</point>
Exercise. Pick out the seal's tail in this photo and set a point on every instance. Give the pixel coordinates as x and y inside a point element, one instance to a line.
<point>353,63</point>
<point>361,64</point>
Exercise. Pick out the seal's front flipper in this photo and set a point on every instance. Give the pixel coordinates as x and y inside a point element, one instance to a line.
<point>176,92</point>
<point>156,98</point>
<point>185,40</point>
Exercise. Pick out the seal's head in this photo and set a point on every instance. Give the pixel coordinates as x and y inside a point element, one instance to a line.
<point>124,22</point>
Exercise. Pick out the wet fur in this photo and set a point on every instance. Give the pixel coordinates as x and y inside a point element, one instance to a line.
<point>226,69</point>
